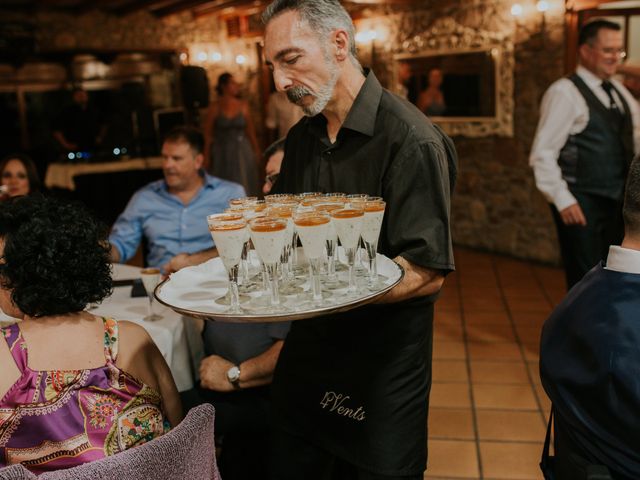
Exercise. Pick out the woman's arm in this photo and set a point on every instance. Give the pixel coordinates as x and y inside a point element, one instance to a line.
<point>139,356</point>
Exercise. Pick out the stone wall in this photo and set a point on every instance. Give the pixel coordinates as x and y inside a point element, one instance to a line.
<point>496,205</point>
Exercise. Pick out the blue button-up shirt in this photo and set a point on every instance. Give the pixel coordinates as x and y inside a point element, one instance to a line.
<point>170,226</point>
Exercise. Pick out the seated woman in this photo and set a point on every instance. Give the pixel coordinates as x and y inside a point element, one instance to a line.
<point>18,175</point>
<point>73,387</point>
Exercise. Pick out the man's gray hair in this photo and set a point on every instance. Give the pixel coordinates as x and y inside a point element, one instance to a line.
<point>323,16</point>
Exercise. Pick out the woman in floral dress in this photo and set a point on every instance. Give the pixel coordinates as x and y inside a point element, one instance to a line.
<point>73,387</point>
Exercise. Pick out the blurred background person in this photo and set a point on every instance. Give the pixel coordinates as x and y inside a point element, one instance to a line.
<point>111,389</point>
<point>79,127</point>
<point>431,100</point>
<point>171,214</point>
<point>230,142</point>
<point>281,115</point>
<point>18,175</point>
<point>273,156</point>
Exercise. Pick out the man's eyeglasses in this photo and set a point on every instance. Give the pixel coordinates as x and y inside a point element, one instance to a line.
<point>611,51</point>
<point>271,178</point>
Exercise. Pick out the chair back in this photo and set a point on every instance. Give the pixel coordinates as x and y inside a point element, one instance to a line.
<point>16,472</point>
<point>187,451</point>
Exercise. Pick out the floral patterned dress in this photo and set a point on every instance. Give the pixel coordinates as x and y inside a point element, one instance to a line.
<point>51,420</point>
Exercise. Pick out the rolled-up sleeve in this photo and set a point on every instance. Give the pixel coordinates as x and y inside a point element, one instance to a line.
<point>127,230</point>
<point>417,189</point>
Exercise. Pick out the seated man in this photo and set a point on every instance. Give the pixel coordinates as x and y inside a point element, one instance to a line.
<point>234,377</point>
<point>273,155</point>
<point>172,213</point>
<point>590,360</point>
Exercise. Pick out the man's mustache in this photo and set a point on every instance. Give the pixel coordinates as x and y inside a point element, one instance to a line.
<point>295,94</point>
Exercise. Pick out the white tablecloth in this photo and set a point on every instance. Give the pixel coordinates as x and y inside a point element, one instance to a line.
<point>60,175</point>
<point>168,333</point>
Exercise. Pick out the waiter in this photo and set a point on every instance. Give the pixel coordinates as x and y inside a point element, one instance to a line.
<point>351,390</point>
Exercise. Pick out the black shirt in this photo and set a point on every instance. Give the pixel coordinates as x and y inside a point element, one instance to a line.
<point>357,383</point>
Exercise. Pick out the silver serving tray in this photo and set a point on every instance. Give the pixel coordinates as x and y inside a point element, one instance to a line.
<point>192,291</point>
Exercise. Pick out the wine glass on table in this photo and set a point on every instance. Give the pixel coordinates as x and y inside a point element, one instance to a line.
<point>229,236</point>
<point>150,278</point>
<point>348,223</point>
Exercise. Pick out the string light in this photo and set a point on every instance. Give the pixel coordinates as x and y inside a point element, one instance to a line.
<point>542,6</point>
<point>516,10</point>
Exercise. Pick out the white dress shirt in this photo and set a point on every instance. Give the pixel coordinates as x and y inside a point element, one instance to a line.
<point>624,260</point>
<point>564,112</point>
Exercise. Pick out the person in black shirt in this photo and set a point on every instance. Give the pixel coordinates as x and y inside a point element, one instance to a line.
<point>350,390</point>
<point>79,126</point>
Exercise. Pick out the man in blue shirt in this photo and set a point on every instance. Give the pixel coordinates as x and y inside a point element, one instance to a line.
<point>172,213</point>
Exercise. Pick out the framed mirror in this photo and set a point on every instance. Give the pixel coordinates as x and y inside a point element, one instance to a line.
<point>459,77</point>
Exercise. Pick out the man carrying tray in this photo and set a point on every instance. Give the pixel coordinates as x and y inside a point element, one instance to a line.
<point>350,390</point>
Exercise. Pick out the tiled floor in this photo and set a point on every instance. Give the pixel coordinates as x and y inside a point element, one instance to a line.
<point>487,413</point>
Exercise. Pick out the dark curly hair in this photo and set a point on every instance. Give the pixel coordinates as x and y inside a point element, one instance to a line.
<point>56,256</point>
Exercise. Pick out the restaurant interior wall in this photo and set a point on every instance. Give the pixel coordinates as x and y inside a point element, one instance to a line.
<point>496,205</point>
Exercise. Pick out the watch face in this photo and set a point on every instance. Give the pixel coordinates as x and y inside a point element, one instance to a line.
<point>233,374</point>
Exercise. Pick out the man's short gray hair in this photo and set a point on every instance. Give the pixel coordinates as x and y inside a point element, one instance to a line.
<point>323,16</point>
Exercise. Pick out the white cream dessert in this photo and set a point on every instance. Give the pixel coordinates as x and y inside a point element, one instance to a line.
<point>372,222</point>
<point>348,223</point>
<point>150,279</point>
<point>312,230</point>
<point>229,239</point>
<point>269,238</point>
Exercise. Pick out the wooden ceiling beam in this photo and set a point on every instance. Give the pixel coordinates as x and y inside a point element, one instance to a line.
<point>219,6</point>
<point>137,5</point>
<point>178,7</point>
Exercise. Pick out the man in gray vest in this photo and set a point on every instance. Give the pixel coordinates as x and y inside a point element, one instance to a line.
<point>588,133</point>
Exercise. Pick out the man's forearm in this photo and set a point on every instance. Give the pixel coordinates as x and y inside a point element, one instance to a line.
<point>417,282</point>
<point>258,370</point>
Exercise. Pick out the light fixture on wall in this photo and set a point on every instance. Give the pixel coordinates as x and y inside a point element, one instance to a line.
<point>516,10</point>
<point>241,59</point>
<point>542,6</point>
<point>215,56</point>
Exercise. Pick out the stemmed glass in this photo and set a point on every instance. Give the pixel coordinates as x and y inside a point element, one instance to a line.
<point>285,211</point>
<point>312,229</point>
<point>332,281</point>
<point>348,223</point>
<point>371,225</point>
<point>150,279</point>
<point>230,216</point>
<point>229,234</point>
<point>268,235</point>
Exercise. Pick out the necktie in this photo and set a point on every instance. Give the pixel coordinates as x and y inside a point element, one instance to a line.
<point>613,106</point>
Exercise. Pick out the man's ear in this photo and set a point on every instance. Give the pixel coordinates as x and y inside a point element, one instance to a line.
<point>199,159</point>
<point>340,40</point>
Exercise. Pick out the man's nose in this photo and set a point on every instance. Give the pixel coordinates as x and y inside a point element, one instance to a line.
<point>281,80</point>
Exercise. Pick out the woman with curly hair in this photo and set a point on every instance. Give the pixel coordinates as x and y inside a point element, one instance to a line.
<point>73,387</point>
<point>18,175</point>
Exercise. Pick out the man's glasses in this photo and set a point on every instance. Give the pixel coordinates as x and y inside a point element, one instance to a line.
<point>271,178</point>
<point>611,51</point>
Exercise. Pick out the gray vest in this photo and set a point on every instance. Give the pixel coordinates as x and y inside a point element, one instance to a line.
<point>596,160</point>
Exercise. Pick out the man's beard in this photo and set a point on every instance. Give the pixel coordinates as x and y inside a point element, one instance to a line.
<point>321,97</point>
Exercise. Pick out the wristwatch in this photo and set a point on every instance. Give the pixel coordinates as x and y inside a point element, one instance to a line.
<point>233,375</point>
